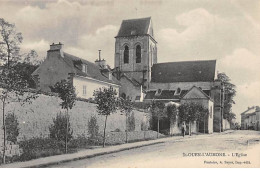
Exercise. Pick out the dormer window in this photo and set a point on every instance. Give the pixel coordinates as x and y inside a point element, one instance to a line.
<point>178,91</point>
<point>84,68</point>
<point>158,92</point>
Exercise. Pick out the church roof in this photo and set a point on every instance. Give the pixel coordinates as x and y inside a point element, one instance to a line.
<point>135,27</point>
<point>187,71</point>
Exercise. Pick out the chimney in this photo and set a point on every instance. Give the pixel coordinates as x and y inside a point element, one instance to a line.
<point>101,63</point>
<point>57,47</point>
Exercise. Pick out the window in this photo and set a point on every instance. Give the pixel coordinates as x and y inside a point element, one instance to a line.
<point>84,90</point>
<point>211,111</point>
<point>138,54</point>
<point>126,55</point>
<point>84,68</point>
<point>158,92</point>
<point>178,91</point>
<point>110,75</point>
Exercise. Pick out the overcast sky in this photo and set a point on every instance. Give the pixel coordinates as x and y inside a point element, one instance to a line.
<point>228,31</point>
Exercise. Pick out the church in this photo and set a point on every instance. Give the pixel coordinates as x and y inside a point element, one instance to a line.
<point>137,75</point>
<point>144,80</point>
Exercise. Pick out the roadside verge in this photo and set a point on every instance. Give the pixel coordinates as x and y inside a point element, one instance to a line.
<point>89,153</point>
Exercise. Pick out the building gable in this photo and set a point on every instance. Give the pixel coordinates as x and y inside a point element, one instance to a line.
<point>195,93</point>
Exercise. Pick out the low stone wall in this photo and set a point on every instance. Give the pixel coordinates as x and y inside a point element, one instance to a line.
<point>35,118</point>
<point>226,124</point>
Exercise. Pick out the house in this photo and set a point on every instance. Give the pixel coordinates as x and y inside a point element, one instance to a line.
<point>85,76</point>
<point>140,75</point>
<point>250,119</point>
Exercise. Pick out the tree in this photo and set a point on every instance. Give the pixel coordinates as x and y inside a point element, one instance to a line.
<point>107,104</point>
<point>32,58</point>
<point>12,85</point>
<point>58,130</point>
<point>12,89</point>
<point>12,129</point>
<point>93,127</point>
<point>202,115</point>
<point>67,94</point>
<point>157,110</point>
<point>126,106</point>
<point>10,40</point>
<point>131,122</point>
<point>172,112</point>
<point>188,113</point>
<point>229,94</point>
<point>25,70</point>
<point>230,117</point>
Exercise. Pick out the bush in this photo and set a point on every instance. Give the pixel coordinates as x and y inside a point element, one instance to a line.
<point>131,122</point>
<point>93,127</point>
<point>79,142</point>
<point>40,147</point>
<point>9,159</point>
<point>144,125</point>
<point>12,130</point>
<point>98,140</point>
<point>58,129</point>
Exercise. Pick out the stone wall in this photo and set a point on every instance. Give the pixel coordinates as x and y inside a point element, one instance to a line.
<point>35,118</point>
<point>226,124</point>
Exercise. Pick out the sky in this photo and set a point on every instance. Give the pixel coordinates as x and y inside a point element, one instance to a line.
<point>225,30</point>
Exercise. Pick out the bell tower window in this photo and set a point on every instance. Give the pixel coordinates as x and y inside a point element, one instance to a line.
<point>126,55</point>
<point>138,54</point>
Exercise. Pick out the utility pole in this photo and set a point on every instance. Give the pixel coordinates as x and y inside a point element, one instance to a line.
<point>223,104</point>
<point>222,99</point>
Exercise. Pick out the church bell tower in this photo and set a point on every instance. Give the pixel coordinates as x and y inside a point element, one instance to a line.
<point>136,50</point>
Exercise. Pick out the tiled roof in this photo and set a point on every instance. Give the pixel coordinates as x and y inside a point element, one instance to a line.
<point>167,94</point>
<point>134,27</point>
<point>199,89</point>
<point>188,71</point>
<point>132,80</point>
<point>150,95</point>
<point>249,110</point>
<point>93,70</point>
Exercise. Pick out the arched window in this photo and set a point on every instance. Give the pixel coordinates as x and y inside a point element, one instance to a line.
<point>138,54</point>
<point>126,55</point>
